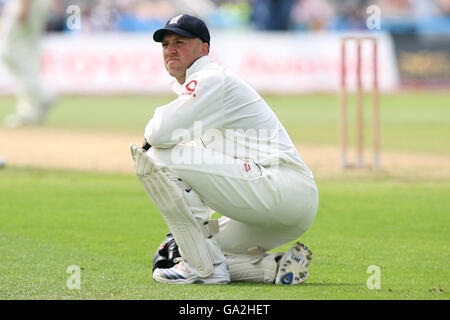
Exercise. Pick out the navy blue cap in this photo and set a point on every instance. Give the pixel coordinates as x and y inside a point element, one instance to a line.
<point>185,25</point>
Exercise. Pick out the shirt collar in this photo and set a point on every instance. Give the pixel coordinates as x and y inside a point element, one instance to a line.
<point>196,66</point>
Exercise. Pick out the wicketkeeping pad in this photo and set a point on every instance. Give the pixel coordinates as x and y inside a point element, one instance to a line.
<point>169,200</point>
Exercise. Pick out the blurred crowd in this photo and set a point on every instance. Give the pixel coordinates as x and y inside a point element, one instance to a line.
<point>397,16</point>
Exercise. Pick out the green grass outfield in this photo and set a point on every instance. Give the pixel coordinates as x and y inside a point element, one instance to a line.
<point>106,225</point>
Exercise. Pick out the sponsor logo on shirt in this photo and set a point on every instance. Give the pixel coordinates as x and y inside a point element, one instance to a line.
<point>190,88</point>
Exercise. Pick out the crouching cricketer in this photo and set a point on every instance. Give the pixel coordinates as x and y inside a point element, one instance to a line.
<point>220,148</point>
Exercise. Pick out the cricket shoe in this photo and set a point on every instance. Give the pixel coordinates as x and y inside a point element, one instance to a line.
<point>293,265</point>
<point>16,121</point>
<point>184,273</point>
<point>33,116</point>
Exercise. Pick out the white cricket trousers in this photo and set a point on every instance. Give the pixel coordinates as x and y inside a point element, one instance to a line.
<point>263,207</point>
<point>20,50</point>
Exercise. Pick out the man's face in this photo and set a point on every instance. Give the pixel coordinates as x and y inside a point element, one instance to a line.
<point>179,53</point>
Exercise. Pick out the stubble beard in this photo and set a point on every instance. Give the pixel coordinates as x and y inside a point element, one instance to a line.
<point>176,72</point>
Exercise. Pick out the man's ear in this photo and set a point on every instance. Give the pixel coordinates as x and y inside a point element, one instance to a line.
<point>205,48</point>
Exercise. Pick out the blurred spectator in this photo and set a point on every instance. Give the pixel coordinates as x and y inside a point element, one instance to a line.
<point>431,17</point>
<point>349,15</point>
<point>396,8</point>
<point>230,15</point>
<point>397,15</point>
<point>312,14</point>
<point>142,15</point>
<point>444,6</point>
<point>271,15</point>
<point>56,20</point>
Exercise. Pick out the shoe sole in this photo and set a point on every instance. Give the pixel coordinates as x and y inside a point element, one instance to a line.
<point>190,281</point>
<point>293,265</point>
<point>194,280</point>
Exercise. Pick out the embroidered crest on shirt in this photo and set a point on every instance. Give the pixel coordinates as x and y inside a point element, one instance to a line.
<point>251,169</point>
<point>247,169</point>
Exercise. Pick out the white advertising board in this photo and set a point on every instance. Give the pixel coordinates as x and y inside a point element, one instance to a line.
<point>270,62</point>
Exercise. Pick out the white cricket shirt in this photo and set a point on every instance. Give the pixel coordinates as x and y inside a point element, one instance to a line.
<point>218,110</point>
